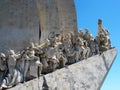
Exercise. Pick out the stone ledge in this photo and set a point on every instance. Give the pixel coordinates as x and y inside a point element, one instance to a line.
<point>87,74</point>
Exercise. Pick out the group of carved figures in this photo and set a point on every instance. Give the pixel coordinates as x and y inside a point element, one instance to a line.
<point>56,52</point>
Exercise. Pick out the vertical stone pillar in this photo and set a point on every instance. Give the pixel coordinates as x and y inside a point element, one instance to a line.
<point>56,15</point>
<point>67,15</point>
<point>49,18</point>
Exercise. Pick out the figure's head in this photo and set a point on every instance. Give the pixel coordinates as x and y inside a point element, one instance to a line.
<point>51,35</point>
<point>99,21</point>
<point>25,56</point>
<point>31,46</point>
<point>2,55</point>
<point>36,45</point>
<point>80,31</point>
<point>11,52</point>
<point>107,32</point>
<point>66,36</point>
<point>86,30</point>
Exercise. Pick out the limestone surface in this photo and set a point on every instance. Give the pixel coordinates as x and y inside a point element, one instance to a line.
<point>56,16</point>
<point>24,21</point>
<point>19,24</point>
<point>87,74</point>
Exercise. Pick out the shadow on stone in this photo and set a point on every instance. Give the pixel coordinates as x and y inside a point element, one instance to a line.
<point>45,86</point>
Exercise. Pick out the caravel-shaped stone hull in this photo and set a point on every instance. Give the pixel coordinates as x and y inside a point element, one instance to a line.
<point>88,74</point>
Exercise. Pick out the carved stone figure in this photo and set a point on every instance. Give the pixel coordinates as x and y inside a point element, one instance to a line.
<point>33,63</point>
<point>40,51</point>
<point>67,41</point>
<point>100,28</point>
<point>60,56</point>
<point>79,48</point>
<point>87,36</point>
<point>92,47</point>
<point>108,39</point>
<point>81,33</point>
<point>86,51</point>
<point>97,49</point>
<point>14,76</point>
<point>69,48</point>
<point>44,62</point>
<point>51,38</point>
<point>56,52</point>
<point>3,67</point>
<point>103,37</point>
<point>12,59</point>
<point>52,60</point>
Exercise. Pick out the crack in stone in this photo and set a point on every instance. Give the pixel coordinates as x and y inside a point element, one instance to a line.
<point>104,59</point>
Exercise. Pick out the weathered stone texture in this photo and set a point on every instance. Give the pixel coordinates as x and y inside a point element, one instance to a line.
<point>19,23</point>
<point>84,75</point>
<point>67,15</point>
<point>56,15</point>
<point>49,20</point>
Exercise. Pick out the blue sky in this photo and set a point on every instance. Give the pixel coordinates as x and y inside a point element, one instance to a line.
<point>88,13</point>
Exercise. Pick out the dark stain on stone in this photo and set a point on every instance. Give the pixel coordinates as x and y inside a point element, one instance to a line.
<point>85,86</point>
<point>92,78</point>
<point>99,67</point>
<point>45,86</point>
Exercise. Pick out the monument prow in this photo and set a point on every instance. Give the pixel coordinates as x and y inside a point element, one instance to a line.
<point>87,74</point>
<point>38,37</point>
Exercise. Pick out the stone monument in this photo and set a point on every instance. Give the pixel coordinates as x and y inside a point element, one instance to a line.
<point>41,48</point>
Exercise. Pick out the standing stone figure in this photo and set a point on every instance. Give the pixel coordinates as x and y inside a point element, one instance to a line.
<point>51,58</point>
<point>51,38</point>
<point>79,48</point>
<point>14,75</point>
<point>92,47</point>
<point>12,59</point>
<point>33,65</point>
<point>43,59</point>
<point>60,56</point>
<point>69,48</point>
<point>3,67</point>
<point>87,35</point>
<point>100,28</point>
<point>86,51</point>
<point>80,33</point>
<point>24,66</point>
<point>103,37</point>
